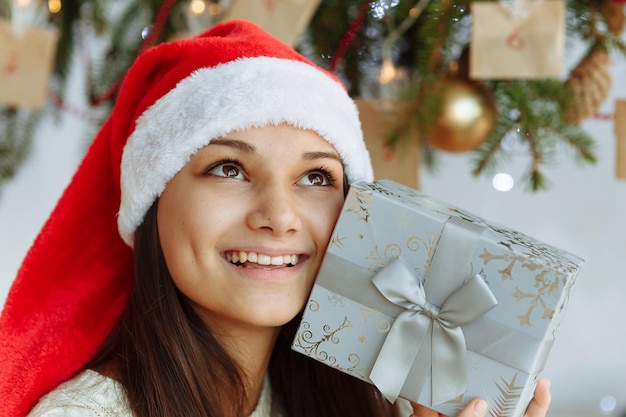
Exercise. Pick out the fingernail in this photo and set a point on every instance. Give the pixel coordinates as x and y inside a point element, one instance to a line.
<point>480,408</point>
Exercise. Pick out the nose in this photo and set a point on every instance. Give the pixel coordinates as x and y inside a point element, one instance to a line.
<point>275,208</point>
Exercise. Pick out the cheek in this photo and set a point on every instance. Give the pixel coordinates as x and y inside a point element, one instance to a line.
<point>186,208</point>
<point>171,226</point>
<point>183,220</point>
<point>327,218</point>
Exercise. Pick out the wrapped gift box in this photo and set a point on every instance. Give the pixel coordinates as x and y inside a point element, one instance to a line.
<point>433,304</point>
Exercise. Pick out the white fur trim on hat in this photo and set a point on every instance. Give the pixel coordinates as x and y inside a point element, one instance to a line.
<point>212,102</point>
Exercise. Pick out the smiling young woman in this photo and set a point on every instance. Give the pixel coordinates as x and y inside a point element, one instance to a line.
<point>169,278</point>
<point>271,194</point>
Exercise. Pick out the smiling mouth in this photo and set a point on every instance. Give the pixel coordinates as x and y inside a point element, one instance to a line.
<point>261,261</point>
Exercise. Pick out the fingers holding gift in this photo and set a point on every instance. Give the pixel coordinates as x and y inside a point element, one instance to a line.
<point>475,408</point>
<point>538,407</point>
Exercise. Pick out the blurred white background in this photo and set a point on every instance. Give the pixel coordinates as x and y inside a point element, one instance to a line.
<point>583,212</point>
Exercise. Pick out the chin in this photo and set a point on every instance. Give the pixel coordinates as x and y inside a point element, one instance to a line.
<point>283,316</point>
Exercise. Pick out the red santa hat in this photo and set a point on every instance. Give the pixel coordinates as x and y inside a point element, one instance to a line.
<point>75,279</point>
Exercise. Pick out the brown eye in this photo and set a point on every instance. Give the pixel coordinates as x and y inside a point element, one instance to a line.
<point>316,178</point>
<point>230,171</point>
<point>226,170</point>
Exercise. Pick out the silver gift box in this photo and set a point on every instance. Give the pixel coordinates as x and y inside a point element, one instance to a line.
<point>433,304</point>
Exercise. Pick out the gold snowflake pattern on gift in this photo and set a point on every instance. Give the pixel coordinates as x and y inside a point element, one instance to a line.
<point>512,259</point>
<point>336,300</point>
<point>508,396</point>
<point>539,252</point>
<point>313,348</point>
<point>544,285</point>
<point>358,203</point>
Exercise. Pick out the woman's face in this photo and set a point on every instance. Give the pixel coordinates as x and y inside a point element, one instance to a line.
<point>245,224</point>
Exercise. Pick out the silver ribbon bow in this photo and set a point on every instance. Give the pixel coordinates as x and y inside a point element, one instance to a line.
<point>426,337</point>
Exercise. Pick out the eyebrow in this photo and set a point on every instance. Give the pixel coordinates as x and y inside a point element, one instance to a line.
<point>237,144</point>
<point>311,156</point>
<point>248,148</point>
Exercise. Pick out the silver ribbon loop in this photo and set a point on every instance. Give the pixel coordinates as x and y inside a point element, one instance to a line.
<point>423,338</point>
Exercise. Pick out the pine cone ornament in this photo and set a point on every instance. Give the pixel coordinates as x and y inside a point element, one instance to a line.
<point>590,82</point>
<point>615,17</point>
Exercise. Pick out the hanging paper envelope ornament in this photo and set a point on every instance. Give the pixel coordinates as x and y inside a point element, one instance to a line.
<point>284,19</point>
<point>433,304</point>
<point>26,59</point>
<point>510,46</point>
<point>400,164</point>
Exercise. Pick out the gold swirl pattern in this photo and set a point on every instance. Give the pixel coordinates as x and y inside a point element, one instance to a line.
<point>352,370</point>
<point>414,243</point>
<point>392,251</point>
<point>381,325</point>
<point>304,339</point>
<point>314,305</point>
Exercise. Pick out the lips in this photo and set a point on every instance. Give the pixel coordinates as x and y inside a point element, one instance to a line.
<point>260,260</point>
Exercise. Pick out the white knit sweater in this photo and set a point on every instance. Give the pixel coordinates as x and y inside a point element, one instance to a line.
<point>90,394</point>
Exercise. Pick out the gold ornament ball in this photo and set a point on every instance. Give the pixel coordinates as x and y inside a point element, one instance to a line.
<point>465,115</point>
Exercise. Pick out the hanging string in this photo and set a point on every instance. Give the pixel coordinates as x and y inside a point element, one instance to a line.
<point>603,116</point>
<point>56,99</point>
<point>159,22</point>
<point>355,25</point>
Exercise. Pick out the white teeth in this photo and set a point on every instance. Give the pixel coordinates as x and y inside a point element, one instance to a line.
<point>261,259</point>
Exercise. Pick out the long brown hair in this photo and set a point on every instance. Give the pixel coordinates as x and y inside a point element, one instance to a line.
<point>170,364</point>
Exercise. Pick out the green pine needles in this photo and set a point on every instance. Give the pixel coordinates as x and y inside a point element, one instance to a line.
<point>533,112</point>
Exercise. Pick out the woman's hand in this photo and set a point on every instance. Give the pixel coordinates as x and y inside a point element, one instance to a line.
<point>538,407</point>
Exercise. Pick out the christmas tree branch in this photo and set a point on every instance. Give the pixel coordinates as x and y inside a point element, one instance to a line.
<point>487,153</point>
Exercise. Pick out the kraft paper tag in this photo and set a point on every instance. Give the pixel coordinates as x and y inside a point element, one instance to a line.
<point>285,19</point>
<point>506,45</point>
<point>620,136</point>
<point>400,164</point>
<point>26,59</point>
